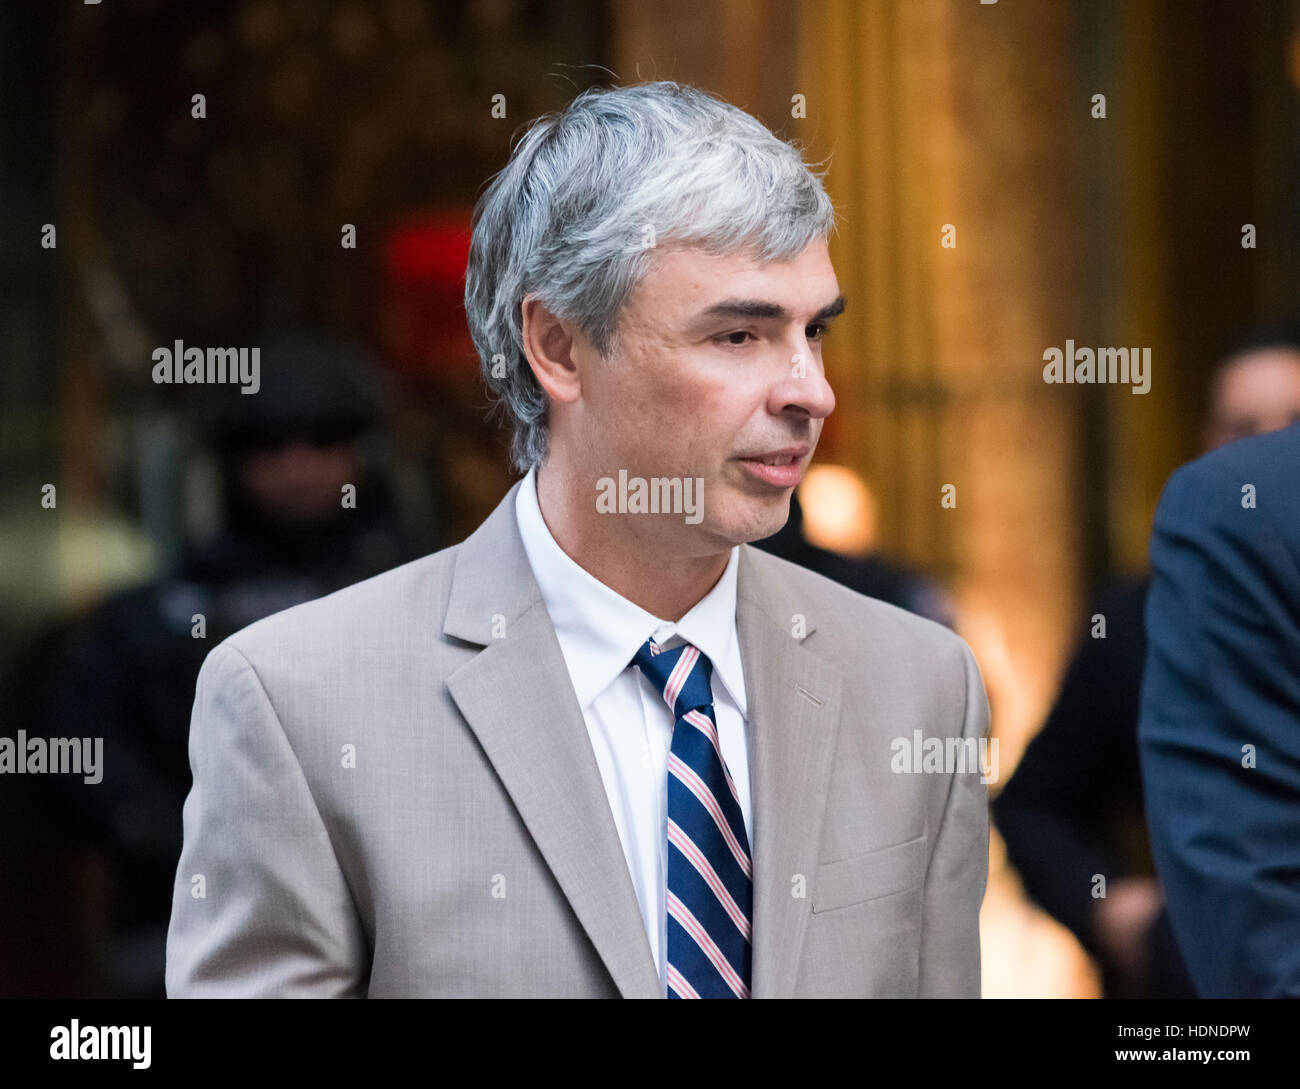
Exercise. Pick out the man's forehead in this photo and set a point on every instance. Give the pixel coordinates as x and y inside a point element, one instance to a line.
<point>700,280</point>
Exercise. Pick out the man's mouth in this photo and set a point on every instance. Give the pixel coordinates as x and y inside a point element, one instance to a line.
<point>780,468</point>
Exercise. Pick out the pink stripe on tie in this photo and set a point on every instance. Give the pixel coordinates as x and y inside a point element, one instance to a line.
<point>691,925</point>
<point>704,724</point>
<point>692,782</point>
<point>696,858</point>
<point>678,983</point>
<point>678,676</point>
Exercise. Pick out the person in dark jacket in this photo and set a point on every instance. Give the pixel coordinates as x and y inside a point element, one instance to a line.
<point>127,672</point>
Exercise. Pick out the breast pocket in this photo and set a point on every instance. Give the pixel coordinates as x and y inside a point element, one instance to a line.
<point>870,876</point>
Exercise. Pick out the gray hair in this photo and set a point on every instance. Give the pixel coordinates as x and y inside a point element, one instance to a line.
<point>590,191</point>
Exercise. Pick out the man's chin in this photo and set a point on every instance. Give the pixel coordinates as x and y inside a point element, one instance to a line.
<point>748,517</point>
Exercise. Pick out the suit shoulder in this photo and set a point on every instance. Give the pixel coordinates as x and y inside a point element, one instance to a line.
<point>1215,496</point>
<point>1271,457</point>
<point>845,617</point>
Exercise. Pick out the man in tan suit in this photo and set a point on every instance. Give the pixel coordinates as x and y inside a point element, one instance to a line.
<point>604,747</point>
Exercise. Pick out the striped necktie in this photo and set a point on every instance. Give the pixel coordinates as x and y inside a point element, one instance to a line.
<point>710,875</point>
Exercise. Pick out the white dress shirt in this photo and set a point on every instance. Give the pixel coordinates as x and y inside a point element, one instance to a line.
<point>629,723</point>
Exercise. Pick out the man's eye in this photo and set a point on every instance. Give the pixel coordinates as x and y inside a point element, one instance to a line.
<point>816,331</point>
<point>738,339</point>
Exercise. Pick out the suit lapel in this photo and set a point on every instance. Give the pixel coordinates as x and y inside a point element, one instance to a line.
<point>517,699</point>
<point>793,711</point>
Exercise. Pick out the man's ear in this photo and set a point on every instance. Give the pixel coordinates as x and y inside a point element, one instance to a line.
<point>549,347</point>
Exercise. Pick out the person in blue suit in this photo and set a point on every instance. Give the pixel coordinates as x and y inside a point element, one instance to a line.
<point>1219,729</point>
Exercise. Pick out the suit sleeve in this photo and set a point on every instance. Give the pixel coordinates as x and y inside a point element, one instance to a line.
<point>1220,734</point>
<point>260,906</point>
<point>955,881</point>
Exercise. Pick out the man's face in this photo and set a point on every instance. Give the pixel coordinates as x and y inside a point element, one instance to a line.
<point>716,367</point>
<point>299,482</point>
<point>1259,391</point>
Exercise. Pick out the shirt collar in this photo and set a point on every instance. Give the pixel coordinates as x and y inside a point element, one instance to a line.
<point>600,631</point>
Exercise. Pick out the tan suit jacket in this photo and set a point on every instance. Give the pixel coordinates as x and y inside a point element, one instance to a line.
<point>395,794</point>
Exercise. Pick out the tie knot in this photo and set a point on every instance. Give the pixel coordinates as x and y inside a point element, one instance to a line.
<point>682,675</point>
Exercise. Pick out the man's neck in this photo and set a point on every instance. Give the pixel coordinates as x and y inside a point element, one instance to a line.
<point>665,586</point>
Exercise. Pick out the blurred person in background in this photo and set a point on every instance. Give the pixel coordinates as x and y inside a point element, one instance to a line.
<point>127,672</point>
<point>1074,807</point>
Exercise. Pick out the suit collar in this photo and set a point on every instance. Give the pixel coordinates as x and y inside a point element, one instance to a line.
<point>600,631</point>
<point>491,567</point>
<point>491,564</point>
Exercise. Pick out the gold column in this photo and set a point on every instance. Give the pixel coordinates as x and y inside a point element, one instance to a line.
<point>1147,432</point>
<point>938,113</point>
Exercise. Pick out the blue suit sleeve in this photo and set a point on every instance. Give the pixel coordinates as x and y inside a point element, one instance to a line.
<point>1219,732</point>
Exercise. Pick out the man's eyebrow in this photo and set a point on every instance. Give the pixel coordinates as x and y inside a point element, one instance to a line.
<point>758,309</point>
<point>831,310</point>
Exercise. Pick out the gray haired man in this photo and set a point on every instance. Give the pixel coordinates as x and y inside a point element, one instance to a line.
<point>603,747</point>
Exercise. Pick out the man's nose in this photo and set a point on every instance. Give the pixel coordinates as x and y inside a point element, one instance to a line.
<point>805,387</point>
